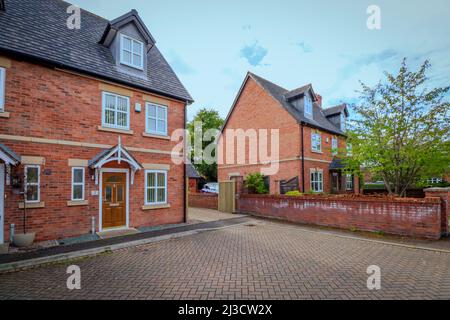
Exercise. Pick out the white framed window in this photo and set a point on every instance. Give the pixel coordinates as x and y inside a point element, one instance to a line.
<point>316,181</point>
<point>115,111</point>
<point>131,52</point>
<point>349,182</point>
<point>77,184</point>
<point>308,106</point>
<point>434,180</point>
<point>155,187</point>
<point>343,122</point>
<point>32,183</point>
<point>334,146</point>
<point>316,142</point>
<point>156,119</point>
<point>349,149</point>
<point>2,88</point>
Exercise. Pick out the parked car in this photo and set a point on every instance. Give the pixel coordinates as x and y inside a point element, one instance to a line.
<point>212,187</point>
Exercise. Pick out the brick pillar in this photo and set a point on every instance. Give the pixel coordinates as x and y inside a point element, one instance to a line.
<point>239,189</point>
<point>444,195</point>
<point>356,186</point>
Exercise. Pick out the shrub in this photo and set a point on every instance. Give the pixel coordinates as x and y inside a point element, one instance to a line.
<point>255,183</point>
<point>295,193</point>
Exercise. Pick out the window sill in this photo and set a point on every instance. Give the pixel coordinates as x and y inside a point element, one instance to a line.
<point>77,203</point>
<point>156,206</point>
<point>123,131</point>
<point>34,205</point>
<point>156,136</point>
<point>4,114</point>
<point>315,151</point>
<point>131,66</point>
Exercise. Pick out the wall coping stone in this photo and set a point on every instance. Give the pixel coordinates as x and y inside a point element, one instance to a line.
<point>428,200</point>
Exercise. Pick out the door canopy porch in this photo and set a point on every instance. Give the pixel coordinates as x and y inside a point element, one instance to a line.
<point>336,165</point>
<point>8,156</point>
<point>115,154</point>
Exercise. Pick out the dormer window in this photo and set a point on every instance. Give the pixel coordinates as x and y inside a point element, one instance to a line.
<point>131,52</point>
<point>343,122</point>
<point>308,106</point>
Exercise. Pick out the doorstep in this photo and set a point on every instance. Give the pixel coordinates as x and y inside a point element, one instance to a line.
<point>116,233</point>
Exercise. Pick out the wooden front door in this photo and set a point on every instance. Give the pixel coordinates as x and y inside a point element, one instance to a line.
<point>335,185</point>
<point>114,202</point>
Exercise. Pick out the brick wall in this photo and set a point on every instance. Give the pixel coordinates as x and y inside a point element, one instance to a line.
<point>57,106</point>
<point>193,185</point>
<point>203,200</point>
<point>416,218</point>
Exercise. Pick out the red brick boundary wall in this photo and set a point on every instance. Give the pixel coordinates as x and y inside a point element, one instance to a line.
<point>416,218</point>
<point>203,200</point>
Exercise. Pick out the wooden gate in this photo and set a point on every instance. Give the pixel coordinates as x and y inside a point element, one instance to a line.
<point>227,196</point>
<point>291,185</point>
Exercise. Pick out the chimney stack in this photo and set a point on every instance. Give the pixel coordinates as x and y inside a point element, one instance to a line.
<point>319,100</point>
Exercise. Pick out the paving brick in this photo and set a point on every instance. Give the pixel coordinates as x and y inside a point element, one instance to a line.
<point>269,261</point>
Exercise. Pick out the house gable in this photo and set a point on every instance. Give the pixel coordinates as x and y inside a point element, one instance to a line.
<point>255,108</point>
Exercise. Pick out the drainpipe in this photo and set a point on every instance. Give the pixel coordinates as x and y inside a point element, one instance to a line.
<point>303,158</point>
<point>184,167</point>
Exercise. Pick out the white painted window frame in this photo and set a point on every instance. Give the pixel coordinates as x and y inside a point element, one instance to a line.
<point>38,183</point>
<point>148,118</point>
<point>349,150</point>
<point>115,125</point>
<point>316,135</point>
<point>2,89</point>
<point>334,146</point>
<point>132,53</point>
<point>349,182</point>
<point>155,186</point>
<point>435,180</point>
<point>319,182</point>
<point>308,102</point>
<point>82,184</point>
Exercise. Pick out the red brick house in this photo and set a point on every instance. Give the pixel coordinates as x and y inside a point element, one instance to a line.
<point>85,122</point>
<point>309,136</point>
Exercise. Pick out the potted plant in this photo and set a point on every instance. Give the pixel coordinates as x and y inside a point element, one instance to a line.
<point>24,239</point>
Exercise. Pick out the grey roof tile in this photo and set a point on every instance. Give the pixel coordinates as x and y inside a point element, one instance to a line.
<point>191,172</point>
<point>38,29</point>
<point>280,94</point>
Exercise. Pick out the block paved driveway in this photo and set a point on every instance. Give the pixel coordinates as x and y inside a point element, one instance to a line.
<point>266,261</point>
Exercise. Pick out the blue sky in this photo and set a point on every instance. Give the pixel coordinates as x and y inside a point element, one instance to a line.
<point>212,44</point>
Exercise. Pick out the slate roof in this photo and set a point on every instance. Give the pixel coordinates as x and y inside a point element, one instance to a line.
<point>297,92</point>
<point>38,30</point>
<point>280,94</point>
<point>336,164</point>
<point>191,172</point>
<point>336,110</point>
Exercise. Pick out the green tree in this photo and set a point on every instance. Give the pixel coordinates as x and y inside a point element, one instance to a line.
<point>255,183</point>
<point>401,129</point>
<point>209,119</point>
